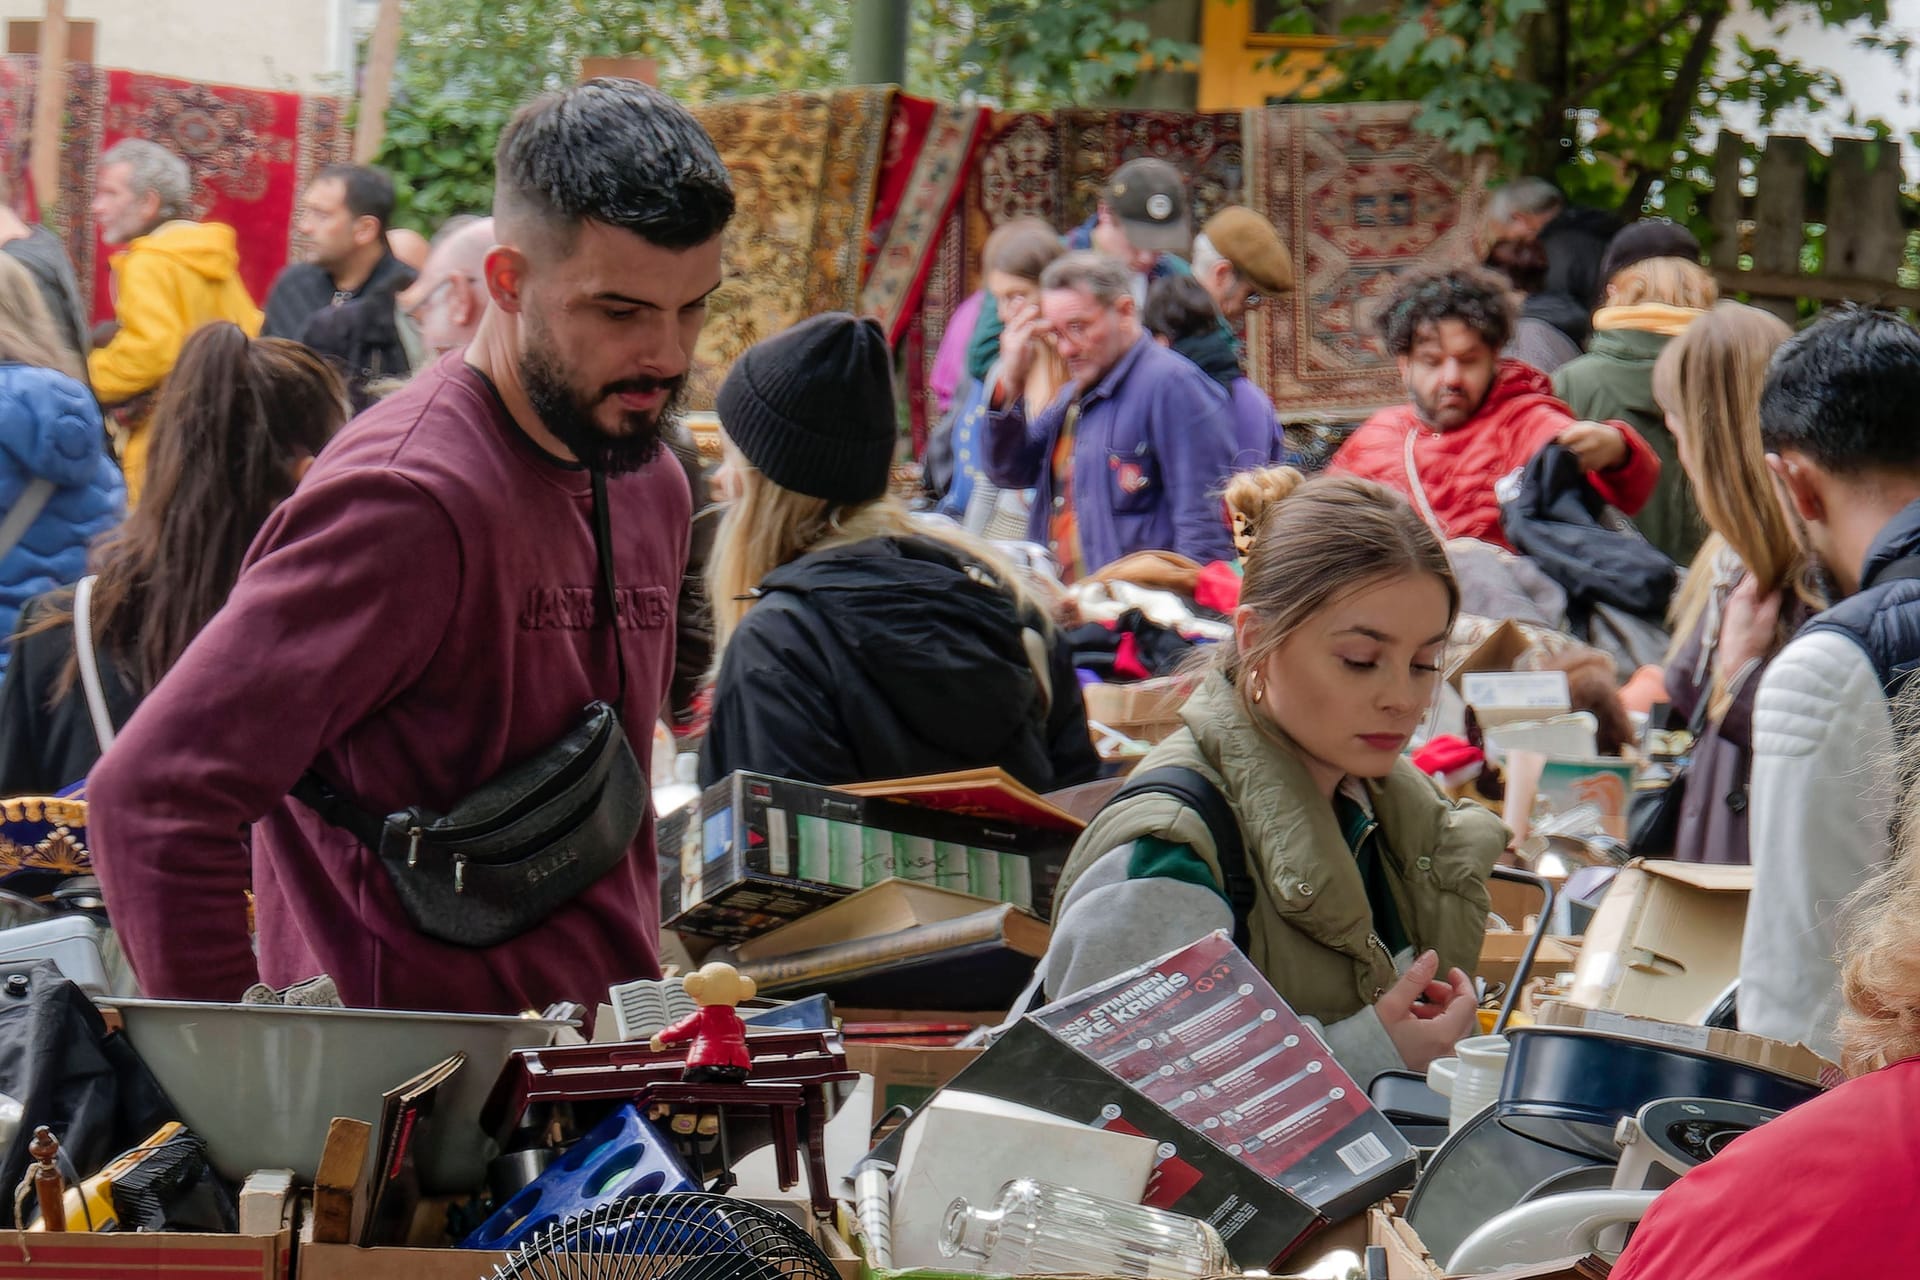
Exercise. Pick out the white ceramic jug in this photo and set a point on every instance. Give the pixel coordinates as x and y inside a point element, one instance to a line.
<point>1470,1081</point>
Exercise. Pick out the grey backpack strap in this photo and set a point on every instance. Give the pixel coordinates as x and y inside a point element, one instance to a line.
<point>20,517</point>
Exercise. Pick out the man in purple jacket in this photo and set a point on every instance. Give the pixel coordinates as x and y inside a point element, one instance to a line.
<point>1131,455</point>
<point>423,614</point>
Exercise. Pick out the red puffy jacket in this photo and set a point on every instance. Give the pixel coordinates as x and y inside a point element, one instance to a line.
<point>1459,468</point>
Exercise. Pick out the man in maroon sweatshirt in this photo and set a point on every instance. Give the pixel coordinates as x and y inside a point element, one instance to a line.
<point>423,613</point>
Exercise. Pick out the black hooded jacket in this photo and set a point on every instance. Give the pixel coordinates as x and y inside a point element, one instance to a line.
<point>893,658</point>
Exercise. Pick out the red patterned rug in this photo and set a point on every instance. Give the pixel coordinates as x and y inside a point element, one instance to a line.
<point>1053,166</point>
<point>930,150</point>
<point>1360,197</point>
<point>252,153</point>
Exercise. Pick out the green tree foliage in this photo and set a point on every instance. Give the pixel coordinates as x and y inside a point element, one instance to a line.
<point>466,64</point>
<point>1608,97</point>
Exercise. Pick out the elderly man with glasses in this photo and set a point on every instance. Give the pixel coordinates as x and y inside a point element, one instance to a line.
<point>1240,259</point>
<point>445,304</point>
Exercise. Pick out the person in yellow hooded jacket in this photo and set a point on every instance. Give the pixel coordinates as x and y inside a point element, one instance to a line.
<point>173,276</point>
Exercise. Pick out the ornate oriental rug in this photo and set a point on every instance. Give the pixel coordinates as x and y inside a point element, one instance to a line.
<point>930,149</point>
<point>1360,197</point>
<point>804,168</point>
<point>252,153</point>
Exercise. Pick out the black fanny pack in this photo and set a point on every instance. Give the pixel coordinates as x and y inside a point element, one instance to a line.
<point>524,843</point>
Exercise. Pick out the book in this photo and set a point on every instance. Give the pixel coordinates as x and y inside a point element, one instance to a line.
<point>977,793</point>
<point>648,1005</point>
<point>1203,1034</point>
<point>887,907</point>
<point>1259,1221</point>
<point>976,961</point>
<point>405,1114</point>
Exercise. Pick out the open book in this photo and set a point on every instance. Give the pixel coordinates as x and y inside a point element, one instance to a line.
<point>650,1005</point>
<point>978,793</point>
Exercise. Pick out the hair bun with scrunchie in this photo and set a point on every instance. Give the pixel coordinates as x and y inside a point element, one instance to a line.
<point>1252,495</point>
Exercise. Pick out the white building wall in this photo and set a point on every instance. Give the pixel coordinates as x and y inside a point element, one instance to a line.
<point>304,46</point>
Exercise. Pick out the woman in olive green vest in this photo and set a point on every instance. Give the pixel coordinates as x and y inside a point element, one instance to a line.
<point>1367,883</point>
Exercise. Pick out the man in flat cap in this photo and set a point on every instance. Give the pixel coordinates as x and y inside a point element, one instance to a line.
<point>1240,259</point>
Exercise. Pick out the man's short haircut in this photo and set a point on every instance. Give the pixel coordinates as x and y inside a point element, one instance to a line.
<point>151,167</point>
<point>1523,195</point>
<point>1100,276</point>
<point>1178,307</point>
<point>617,152</point>
<point>369,190</point>
<point>1842,393</point>
<point>1474,296</point>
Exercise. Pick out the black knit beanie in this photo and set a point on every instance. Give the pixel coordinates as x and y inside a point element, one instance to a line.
<point>812,408</point>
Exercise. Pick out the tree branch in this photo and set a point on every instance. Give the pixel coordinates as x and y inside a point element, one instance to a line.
<point>1629,57</point>
<point>1678,105</point>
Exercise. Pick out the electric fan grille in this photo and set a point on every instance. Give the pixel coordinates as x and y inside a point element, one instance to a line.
<point>683,1235</point>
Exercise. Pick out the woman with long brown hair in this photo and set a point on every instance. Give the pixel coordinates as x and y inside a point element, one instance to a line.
<point>1750,587</point>
<point>236,426</point>
<point>1359,884</point>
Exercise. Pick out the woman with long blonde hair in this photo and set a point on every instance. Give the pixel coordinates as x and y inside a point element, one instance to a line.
<point>1750,587</point>
<point>1359,890</point>
<point>1655,289</point>
<point>854,644</point>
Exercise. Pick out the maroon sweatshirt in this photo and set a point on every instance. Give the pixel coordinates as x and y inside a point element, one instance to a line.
<point>416,618</point>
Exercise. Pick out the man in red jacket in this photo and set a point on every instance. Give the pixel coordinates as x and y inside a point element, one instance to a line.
<point>1474,418</point>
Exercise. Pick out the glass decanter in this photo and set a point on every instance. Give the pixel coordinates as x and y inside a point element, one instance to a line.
<point>1037,1229</point>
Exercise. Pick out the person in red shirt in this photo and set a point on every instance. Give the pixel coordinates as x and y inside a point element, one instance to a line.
<point>1474,418</point>
<point>424,612</point>
<point>1826,1191</point>
<point>719,1053</point>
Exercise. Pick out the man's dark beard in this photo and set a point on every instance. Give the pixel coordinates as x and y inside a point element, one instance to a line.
<point>571,420</point>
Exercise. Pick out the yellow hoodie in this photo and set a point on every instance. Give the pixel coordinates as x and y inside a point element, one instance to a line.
<point>167,283</point>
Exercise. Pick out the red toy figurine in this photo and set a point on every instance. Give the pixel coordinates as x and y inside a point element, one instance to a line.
<point>719,1052</point>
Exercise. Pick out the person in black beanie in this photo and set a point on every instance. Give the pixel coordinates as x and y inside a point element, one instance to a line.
<point>855,643</point>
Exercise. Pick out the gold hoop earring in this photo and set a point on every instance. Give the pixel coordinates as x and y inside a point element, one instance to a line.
<point>1259,687</point>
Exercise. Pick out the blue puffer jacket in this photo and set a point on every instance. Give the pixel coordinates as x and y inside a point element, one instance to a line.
<point>50,427</point>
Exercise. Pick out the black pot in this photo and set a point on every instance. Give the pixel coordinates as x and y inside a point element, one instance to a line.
<point>1569,1087</point>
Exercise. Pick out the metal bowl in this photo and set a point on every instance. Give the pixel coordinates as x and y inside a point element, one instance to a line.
<point>260,1082</point>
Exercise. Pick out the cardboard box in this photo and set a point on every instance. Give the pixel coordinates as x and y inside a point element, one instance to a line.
<point>754,853</point>
<point>1146,700</point>
<point>1407,1257</point>
<point>1795,1060</point>
<point>1512,697</point>
<point>1502,647</point>
<point>350,1262</point>
<point>161,1255</point>
<point>1665,941</point>
<point>1518,904</point>
<point>1501,952</point>
<point>906,1075</point>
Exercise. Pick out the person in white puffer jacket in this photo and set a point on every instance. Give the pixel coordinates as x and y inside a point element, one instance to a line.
<point>1836,421</point>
